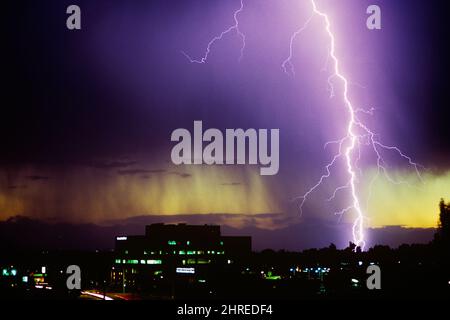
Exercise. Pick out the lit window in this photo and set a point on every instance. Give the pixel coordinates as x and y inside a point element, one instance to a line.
<point>203,261</point>
<point>185,270</point>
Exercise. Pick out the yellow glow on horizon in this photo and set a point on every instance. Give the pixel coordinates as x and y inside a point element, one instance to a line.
<point>91,195</point>
<point>413,205</point>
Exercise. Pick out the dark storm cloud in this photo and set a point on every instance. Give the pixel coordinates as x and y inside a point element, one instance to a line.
<point>231,184</point>
<point>17,187</point>
<point>132,172</point>
<point>145,173</point>
<point>181,175</point>
<point>37,178</point>
<point>110,164</point>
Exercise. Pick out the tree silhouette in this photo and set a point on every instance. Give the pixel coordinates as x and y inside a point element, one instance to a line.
<point>442,235</point>
<point>443,230</point>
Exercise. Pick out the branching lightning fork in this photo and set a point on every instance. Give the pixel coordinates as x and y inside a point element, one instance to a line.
<point>234,27</point>
<point>357,133</point>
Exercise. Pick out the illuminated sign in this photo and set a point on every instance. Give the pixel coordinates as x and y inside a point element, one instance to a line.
<point>121,238</point>
<point>186,270</point>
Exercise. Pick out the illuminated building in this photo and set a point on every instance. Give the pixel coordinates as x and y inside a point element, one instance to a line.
<point>182,252</point>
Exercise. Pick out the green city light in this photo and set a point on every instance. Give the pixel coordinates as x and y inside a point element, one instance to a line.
<point>132,261</point>
<point>197,261</point>
<point>172,243</point>
<point>270,276</point>
<point>274,278</point>
<point>203,261</point>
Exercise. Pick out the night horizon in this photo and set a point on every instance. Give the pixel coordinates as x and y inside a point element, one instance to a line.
<point>286,235</point>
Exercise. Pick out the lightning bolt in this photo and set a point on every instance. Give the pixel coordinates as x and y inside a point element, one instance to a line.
<point>357,135</point>
<point>234,27</point>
